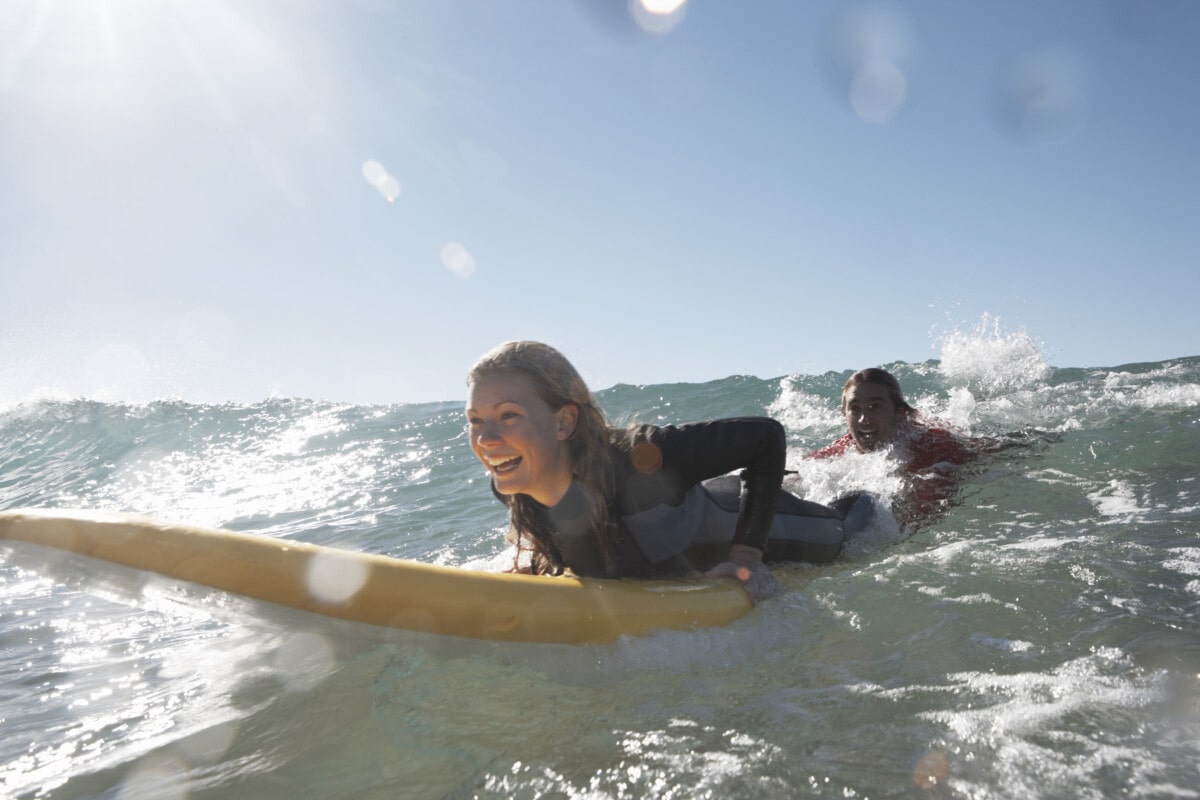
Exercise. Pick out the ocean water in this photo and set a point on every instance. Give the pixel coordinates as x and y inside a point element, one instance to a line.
<point>1040,639</point>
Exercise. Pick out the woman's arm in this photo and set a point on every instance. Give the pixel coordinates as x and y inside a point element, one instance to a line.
<point>672,459</point>
<point>685,455</point>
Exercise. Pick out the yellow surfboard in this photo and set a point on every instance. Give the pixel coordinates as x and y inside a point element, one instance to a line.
<point>379,590</point>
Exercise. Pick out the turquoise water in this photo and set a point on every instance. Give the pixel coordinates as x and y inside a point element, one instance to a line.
<point>1039,640</point>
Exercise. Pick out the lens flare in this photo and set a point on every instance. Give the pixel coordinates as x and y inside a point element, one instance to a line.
<point>334,578</point>
<point>378,176</point>
<point>209,745</point>
<point>390,188</point>
<point>156,776</point>
<point>1040,97</point>
<point>304,661</point>
<point>374,172</point>
<point>868,54</point>
<point>458,260</point>
<point>877,91</point>
<point>931,770</point>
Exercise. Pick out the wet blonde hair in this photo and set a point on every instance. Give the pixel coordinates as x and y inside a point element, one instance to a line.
<point>558,384</point>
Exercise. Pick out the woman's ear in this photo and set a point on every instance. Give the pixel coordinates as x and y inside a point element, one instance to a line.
<point>568,418</point>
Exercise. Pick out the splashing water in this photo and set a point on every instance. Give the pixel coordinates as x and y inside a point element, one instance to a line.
<point>990,361</point>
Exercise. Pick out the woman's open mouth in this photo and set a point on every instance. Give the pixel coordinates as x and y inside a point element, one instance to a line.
<point>502,466</point>
<point>868,438</point>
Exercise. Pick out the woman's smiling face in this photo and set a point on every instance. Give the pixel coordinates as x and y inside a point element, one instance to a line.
<point>519,438</point>
<point>871,415</point>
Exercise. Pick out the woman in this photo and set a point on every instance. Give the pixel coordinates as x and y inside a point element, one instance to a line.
<point>610,502</point>
<point>878,417</point>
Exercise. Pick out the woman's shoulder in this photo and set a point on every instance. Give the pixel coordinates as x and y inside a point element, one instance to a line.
<point>935,443</point>
<point>649,446</point>
<point>835,448</point>
<point>637,431</point>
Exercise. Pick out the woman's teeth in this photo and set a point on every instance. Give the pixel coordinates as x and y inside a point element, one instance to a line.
<point>504,464</point>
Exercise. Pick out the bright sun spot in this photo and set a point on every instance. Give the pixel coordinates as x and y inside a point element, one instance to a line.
<point>119,57</point>
<point>662,6</point>
<point>657,16</point>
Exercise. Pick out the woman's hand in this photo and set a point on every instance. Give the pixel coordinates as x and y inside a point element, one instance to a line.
<point>745,563</point>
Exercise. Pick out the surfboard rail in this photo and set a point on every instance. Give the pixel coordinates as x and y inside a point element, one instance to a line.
<point>381,590</point>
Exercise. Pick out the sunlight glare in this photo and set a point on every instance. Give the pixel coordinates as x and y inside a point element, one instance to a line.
<point>657,16</point>
<point>216,478</point>
<point>119,371</point>
<point>115,59</point>
<point>662,6</point>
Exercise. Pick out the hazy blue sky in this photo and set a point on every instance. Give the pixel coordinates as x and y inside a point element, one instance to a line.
<point>353,199</point>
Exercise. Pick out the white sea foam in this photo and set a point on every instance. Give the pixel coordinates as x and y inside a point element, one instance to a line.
<point>1117,499</point>
<point>801,410</point>
<point>990,360</point>
<point>1008,645</point>
<point>1185,560</point>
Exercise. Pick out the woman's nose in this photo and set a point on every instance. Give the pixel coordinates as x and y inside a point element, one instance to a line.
<point>486,434</point>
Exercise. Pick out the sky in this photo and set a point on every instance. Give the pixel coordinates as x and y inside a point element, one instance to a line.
<point>232,200</point>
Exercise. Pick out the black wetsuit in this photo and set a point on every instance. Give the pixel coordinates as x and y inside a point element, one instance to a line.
<point>672,519</point>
